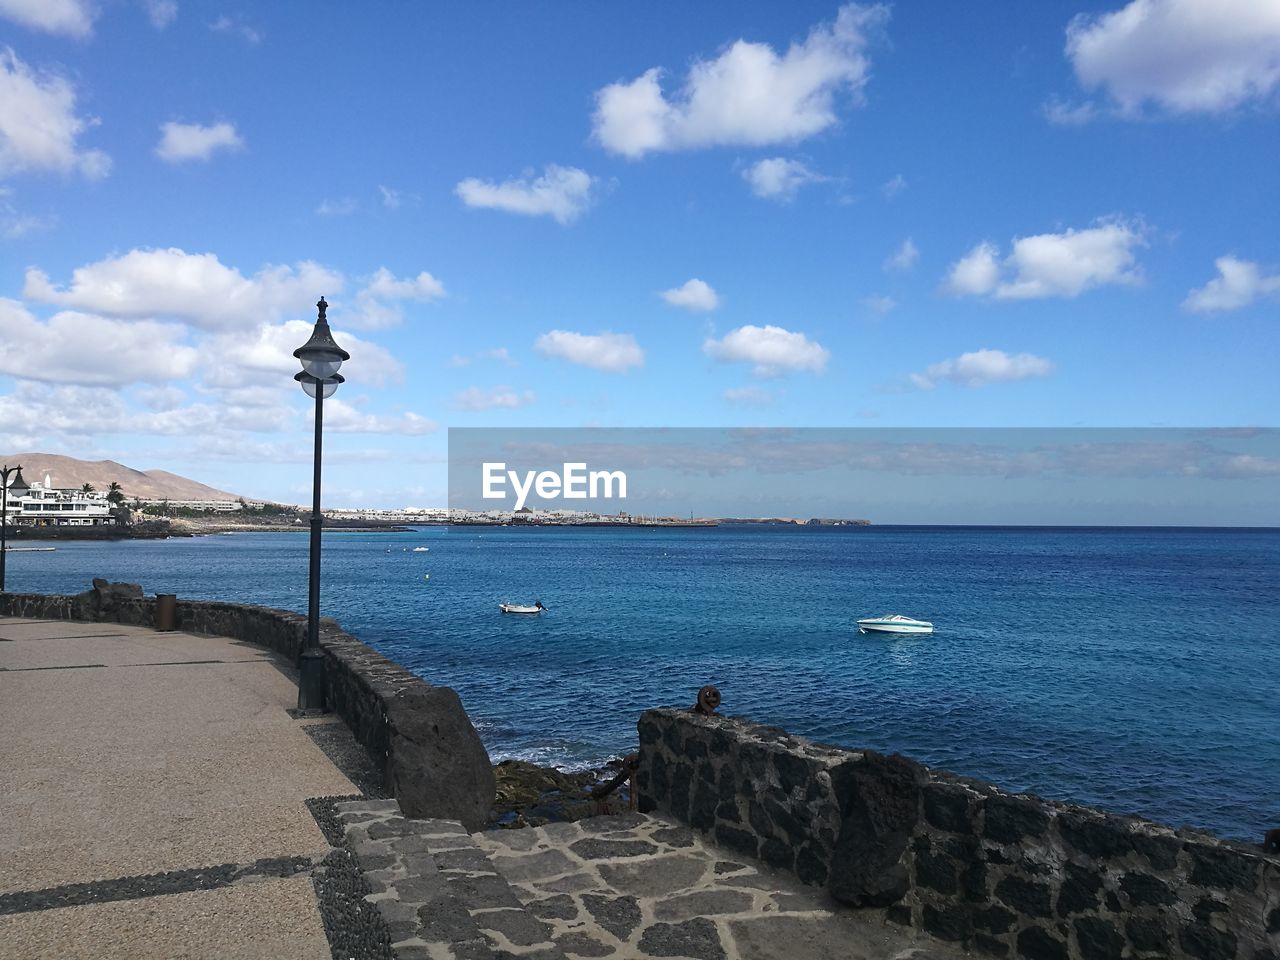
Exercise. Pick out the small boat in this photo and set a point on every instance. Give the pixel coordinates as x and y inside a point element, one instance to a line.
<point>895,623</point>
<point>421,549</point>
<point>521,607</point>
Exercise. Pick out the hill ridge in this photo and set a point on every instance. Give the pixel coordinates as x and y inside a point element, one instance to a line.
<point>69,472</point>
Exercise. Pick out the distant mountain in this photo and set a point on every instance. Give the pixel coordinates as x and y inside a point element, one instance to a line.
<point>68,472</point>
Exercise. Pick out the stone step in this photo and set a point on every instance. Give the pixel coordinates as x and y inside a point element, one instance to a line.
<point>438,892</point>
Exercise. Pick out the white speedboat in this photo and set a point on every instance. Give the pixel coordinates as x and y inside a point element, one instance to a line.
<point>895,623</point>
<point>521,607</point>
<point>421,549</point>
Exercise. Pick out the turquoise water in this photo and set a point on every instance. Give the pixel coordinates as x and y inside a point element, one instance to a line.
<point>1132,669</point>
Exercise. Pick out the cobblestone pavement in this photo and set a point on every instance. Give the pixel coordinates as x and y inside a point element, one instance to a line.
<point>628,886</point>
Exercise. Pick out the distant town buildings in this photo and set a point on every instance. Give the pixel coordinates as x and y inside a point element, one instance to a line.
<point>43,505</point>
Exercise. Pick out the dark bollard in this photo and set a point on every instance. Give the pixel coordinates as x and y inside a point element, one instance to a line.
<point>708,700</point>
<point>166,611</point>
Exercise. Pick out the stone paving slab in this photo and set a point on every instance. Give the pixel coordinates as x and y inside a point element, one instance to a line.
<point>643,886</point>
<point>437,892</point>
<point>628,886</point>
<point>274,919</point>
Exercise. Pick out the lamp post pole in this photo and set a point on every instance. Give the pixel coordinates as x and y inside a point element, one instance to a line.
<point>19,485</point>
<point>321,357</point>
<point>4,520</point>
<point>312,650</point>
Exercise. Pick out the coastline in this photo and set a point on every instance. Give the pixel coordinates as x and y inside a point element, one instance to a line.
<point>182,528</point>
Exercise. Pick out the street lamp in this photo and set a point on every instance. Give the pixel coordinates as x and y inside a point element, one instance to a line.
<point>19,487</point>
<point>321,357</point>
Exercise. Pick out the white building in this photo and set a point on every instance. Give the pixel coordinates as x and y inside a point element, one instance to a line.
<point>44,505</point>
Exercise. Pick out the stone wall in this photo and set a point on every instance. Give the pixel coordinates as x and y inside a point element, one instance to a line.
<point>432,759</point>
<point>1008,875</point>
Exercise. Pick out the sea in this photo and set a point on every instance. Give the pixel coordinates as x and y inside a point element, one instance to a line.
<point>1126,668</point>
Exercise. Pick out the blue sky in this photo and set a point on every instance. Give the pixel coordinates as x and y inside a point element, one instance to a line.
<point>1057,476</point>
<point>571,214</point>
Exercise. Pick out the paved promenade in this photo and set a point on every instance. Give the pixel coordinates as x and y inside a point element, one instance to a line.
<point>159,800</point>
<point>128,753</point>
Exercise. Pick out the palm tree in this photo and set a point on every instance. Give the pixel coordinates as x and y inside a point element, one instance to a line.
<point>87,488</point>
<point>115,493</point>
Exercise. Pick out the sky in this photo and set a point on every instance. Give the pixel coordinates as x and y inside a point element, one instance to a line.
<point>1068,476</point>
<point>659,215</point>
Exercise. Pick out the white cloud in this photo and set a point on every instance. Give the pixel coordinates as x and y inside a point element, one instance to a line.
<point>749,95</point>
<point>341,207</point>
<point>75,412</point>
<point>210,420</point>
<point>193,141</point>
<point>750,396</point>
<point>384,285</point>
<point>1183,56</point>
<point>373,312</point>
<point>1052,264</point>
<point>206,293</point>
<point>39,126</point>
<point>1063,114</point>
<point>1238,284</point>
<point>879,304</point>
<point>343,417</point>
<point>85,349</point>
<point>771,349</point>
<point>778,178</point>
<point>694,295</point>
<point>161,399</point>
<point>266,357</point>
<point>67,410</point>
<point>162,12</point>
<point>981,367</point>
<point>391,199</point>
<point>976,273</point>
<point>905,257</point>
<point>893,186</point>
<point>194,287</point>
<point>611,352</point>
<point>239,27</point>
<point>497,398</point>
<point>71,18</point>
<point>562,193</point>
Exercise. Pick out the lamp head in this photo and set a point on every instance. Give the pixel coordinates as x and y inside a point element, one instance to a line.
<point>321,356</point>
<point>327,385</point>
<point>19,486</point>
